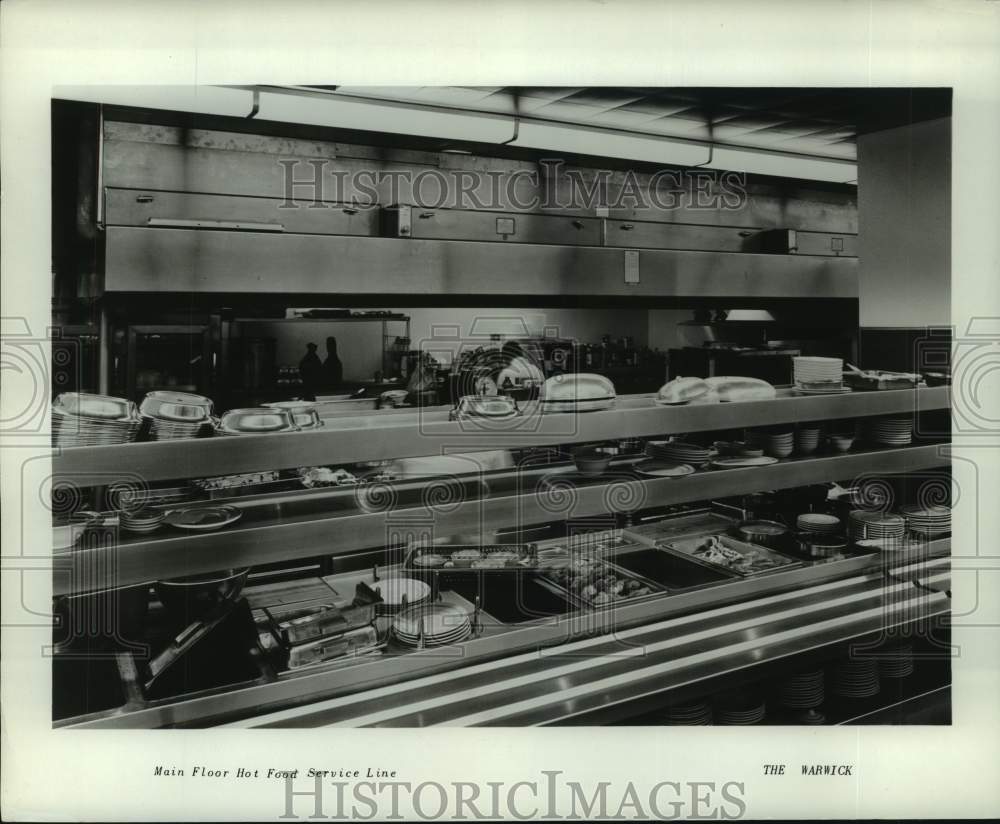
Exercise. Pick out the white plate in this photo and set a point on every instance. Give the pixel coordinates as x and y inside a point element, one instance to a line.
<point>203,518</point>
<point>392,590</point>
<point>669,471</point>
<point>735,463</point>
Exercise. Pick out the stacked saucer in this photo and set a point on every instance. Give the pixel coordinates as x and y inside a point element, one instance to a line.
<point>695,714</point>
<point>891,430</point>
<point>896,661</point>
<point>777,444</point>
<point>678,452</point>
<point>818,375</point>
<point>855,678</point>
<point>817,522</point>
<point>141,520</point>
<point>807,438</point>
<point>80,419</point>
<point>740,711</point>
<point>176,415</point>
<point>931,521</point>
<point>437,624</point>
<point>867,525</point>
<point>803,691</point>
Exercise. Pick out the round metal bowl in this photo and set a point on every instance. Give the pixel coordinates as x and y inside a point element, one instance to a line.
<point>762,532</point>
<point>194,596</point>
<point>817,545</point>
<point>176,406</point>
<point>257,421</point>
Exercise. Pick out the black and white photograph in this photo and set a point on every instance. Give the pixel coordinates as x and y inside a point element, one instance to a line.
<point>368,418</point>
<point>438,446</point>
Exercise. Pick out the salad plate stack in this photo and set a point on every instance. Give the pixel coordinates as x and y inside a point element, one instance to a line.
<point>803,691</point>
<point>695,714</point>
<point>678,452</point>
<point>79,419</point>
<point>818,376</point>
<point>436,625</point>
<point>817,522</point>
<point>175,416</point>
<point>891,430</point>
<point>932,521</point>
<point>141,520</point>
<point>896,661</point>
<point>740,711</point>
<point>855,678</point>
<point>879,526</point>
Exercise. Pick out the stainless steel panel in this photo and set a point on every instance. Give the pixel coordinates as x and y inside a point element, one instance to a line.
<point>178,260</point>
<point>132,207</point>
<point>285,531</point>
<point>395,434</point>
<point>824,581</point>
<point>510,227</point>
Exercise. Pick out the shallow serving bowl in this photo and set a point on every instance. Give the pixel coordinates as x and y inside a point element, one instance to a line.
<point>104,407</point>
<point>257,421</point>
<point>176,406</point>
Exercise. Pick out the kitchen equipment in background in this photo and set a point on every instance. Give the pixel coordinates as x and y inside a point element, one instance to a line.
<point>177,357</point>
<point>81,419</point>
<point>177,415</point>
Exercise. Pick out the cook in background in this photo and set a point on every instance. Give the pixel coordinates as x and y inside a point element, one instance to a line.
<point>333,369</point>
<point>311,372</point>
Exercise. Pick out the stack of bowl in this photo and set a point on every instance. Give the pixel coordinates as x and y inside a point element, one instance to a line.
<point>777,443</point>
<point>807,438</point>
<point>176,415</point>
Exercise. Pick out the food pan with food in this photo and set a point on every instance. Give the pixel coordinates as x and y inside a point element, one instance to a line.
<point>470,558</point>
<point>723,552</point>
<point>595,583</point>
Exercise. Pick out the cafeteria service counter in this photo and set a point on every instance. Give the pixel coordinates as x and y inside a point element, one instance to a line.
<point>332,596</point>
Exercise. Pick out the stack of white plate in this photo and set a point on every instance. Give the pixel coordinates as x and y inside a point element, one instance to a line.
<point>817,522</point>
<point>818,375</point>
<point>678,452</point>
<point>927,520</point>
<point>176,415</point>
<point>79,419</point>
<point>855,678</point>
<point>803,691</point>
<point>696,714</point>
<point>896,661</point>
<point>437,624</point>
<point>891,431</point>
<point>740,713</point>
<point>141,520</point>
<point>866,524</point>
<point>777,444</point>
<point>401,592</point>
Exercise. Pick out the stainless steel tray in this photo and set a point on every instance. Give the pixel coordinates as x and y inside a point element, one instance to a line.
<point>686,547</point>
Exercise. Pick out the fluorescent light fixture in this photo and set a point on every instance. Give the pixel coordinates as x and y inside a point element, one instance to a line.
<point>302,105</point>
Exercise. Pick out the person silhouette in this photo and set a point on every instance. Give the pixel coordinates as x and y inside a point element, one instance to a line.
<point>333,369</point>
<point>311,372</point>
